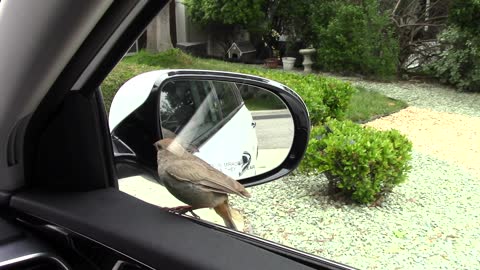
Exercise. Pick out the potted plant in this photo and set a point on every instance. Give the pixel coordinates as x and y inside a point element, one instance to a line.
<point>271,62</point>
<point>291,54</point>
<point>288,62</point>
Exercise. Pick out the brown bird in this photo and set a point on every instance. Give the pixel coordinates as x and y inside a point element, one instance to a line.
<point>194,182</point>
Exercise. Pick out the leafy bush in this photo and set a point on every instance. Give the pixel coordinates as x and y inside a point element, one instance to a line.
<point>294,18</point>
<point>459,61</point>
<point>357,39</point>
<point>325,97</point>
<point>466,15</point>
<point>362,162</point>
<point>243,12</point>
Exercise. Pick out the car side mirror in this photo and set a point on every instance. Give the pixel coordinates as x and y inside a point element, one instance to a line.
<point>253,129</point>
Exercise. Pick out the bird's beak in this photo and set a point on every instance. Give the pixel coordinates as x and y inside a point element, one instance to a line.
<point>157,146</point>
<point>192,149</point>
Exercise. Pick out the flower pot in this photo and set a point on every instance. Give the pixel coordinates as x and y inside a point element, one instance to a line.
<point>271,62</point>
<point>288,63</point>
<point>307,59</point>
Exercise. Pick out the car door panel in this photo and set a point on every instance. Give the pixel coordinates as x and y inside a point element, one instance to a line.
<point>21,250</point>
<point>144,232</point>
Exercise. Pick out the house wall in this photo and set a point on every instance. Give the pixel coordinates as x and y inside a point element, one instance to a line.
<point>180,19</point>
<point>187,31</point>
<point>158,32</point>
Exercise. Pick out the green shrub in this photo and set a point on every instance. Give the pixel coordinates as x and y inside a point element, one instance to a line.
<point>325,97</point>
<point>362,162</point>
<point>357,39</point>
<point>466,15</point>
<point>459,61</point>
<point>294,18</point>
<point>243,12</point>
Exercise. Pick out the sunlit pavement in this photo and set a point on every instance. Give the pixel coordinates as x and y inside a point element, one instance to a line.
<point>269,159</point>
<point>156,194</point>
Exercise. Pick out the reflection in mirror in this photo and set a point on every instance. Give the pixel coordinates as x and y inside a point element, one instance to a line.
<point>241,130</point>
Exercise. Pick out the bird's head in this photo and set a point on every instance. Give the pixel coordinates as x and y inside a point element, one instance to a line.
<point>163,144</point>
<point>173,145</point>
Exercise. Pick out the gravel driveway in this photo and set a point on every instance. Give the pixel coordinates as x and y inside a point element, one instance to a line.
<point>429,222</point>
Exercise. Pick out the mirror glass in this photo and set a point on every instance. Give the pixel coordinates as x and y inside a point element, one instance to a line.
<point>241,130</point>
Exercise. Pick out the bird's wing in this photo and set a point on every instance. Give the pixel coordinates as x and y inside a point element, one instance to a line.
<point>202,175</point>
<point>220,175</point>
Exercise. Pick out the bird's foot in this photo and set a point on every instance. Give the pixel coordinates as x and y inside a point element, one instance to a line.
<point>194,215</point>
<point>182,210</point>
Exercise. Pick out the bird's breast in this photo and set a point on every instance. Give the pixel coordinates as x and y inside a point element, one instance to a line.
<point>193,195</point>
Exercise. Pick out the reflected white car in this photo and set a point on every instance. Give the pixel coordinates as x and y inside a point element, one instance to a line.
<point>208,117</point>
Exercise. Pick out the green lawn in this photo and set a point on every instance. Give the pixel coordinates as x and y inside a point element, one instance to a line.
<point>364,106</point>
<point>367,105</point>
<point>264,103</point>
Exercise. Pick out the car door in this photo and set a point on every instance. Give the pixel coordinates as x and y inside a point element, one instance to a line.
<point>59,184</point>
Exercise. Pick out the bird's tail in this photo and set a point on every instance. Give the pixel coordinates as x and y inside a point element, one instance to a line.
<point>223,210</point>
<point>241,190</point>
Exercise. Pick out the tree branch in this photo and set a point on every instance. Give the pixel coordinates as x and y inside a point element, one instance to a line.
<point>396,7</point>
<point>421,24</point>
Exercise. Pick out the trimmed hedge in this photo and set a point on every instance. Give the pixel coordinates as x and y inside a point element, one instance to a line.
<point>362,162</point>
<point>325,97</point>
